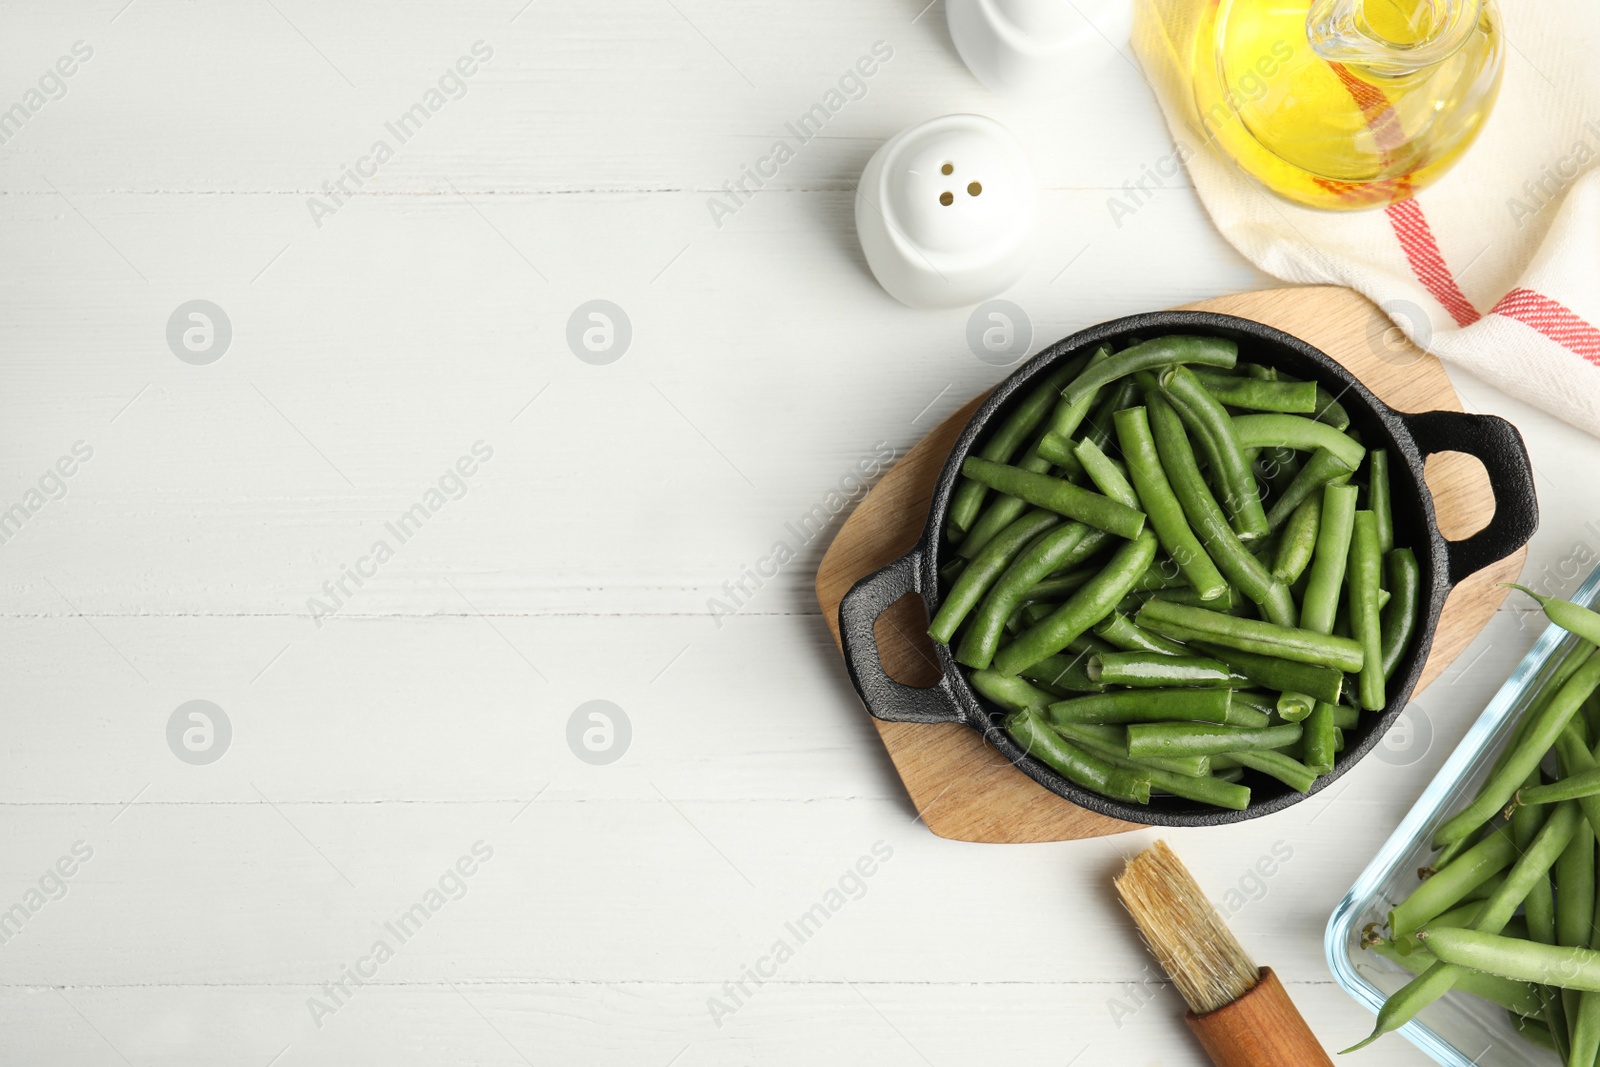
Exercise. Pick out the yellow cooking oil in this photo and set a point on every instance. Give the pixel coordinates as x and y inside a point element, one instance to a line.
<point>1342,103</point>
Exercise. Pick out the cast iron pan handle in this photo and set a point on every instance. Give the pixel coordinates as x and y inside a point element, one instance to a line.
<point>884,697</point>
<point>1498,445</point>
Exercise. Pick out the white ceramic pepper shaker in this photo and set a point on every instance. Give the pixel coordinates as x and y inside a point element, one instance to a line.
<point>945,212</point>
<point>1036,47</point>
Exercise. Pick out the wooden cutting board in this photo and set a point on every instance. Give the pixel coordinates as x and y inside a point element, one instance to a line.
<point>967,791</point>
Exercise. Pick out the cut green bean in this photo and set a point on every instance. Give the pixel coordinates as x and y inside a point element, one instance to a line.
<point>984,570</point>
<point>1004,442</point>
<point>1233,472</point>
<point>1271,672</point>
<point>1331,559</point>
<point>1286,769</point>
<point>1320,740</point>
<point>1329,410</point>
<point>1158,352</point>
<point>1378,497</point>
<point>1059,451</point>
<point>1192,739</point>
<point>1117,629</point>
<point>1366,568</point>
<point>1540,736</point>
<point>1400,617</point>
<point>1257,394</point>
<point>1299,541</point>
<point>1038,558</point>
<point>1104,474</point>
<point>1125,706</point>
<point>1068,672</point>
<point>1086,608</point>
<point>1297,707</point>
<point>1042,743</point>
<point>1206,789</point>
<point>1293,431</point>
<point>1057,495</point>
<point>1165,513</point>
<point>1010,693</point>
<point>1158,670</point>
<point>1104,740</point>
<point>1183,623</point>
<point>1323,467</point>
<point>1235,561</point>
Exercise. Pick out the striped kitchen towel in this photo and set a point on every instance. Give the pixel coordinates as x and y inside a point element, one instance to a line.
<point>1495,268</point>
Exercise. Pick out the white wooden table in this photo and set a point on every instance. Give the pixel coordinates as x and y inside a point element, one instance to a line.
<point>376,340</point>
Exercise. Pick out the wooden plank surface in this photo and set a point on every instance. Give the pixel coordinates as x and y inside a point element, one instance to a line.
<point>583,563</point>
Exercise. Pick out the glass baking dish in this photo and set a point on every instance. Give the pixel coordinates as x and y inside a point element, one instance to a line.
<point>1459,1030</point>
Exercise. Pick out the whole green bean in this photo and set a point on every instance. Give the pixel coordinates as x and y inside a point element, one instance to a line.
<point>1523,961</point>
<point>1057,495</point>
<point>1298,542</point>
<point>1400,617</point>
<point>1366,568</point>
<point>1378,497</point>
<point>1531,867</point>
<point>1320,741</point>
<point>984,570</point>
<point>1323,467</point>
<point>1573,786</point>
<point>1286,769</point>
<point>1124,706</point>
<point>1030,731</point>
<point>1161,505</point>
<point>1194,739</point>
<point>1183,623</point>
<point>1157,670</point>
<point>1005,441</point>
<point>1224,547</point>
<point>1449,887</point>
<point>1541,734</point>
<point>1294,431</point>
<point>1158,352</point>
<point>1271,672</point>
<point>1085,608</point>
<point>1257,394</point>
<point>1117,629</point>
<point>1566,614</point>
<point>1104,473</point>
<point>1038,558</point>
<point>1521,998</point>
<point>1574,874</point>
<point>1232,471</point>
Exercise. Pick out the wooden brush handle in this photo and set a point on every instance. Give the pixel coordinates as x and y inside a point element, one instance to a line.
<point>1263,1028</point>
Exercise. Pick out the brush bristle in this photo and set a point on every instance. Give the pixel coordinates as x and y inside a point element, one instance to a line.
<point>1194,946</point>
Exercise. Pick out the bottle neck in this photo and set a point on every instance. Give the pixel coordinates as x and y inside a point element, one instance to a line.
<point>1390,37</point>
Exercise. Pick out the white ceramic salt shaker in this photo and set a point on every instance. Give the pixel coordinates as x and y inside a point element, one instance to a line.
<point>1037,47</point>
<point>945,212</point>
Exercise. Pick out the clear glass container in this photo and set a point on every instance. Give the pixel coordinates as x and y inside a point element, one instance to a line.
<point>1335,104</point>
<point>1459,1030</point>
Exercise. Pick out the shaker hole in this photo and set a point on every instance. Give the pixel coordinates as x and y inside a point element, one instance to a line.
<point>948,168</point>
<point>974,189</point>
<point>947,199</point>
